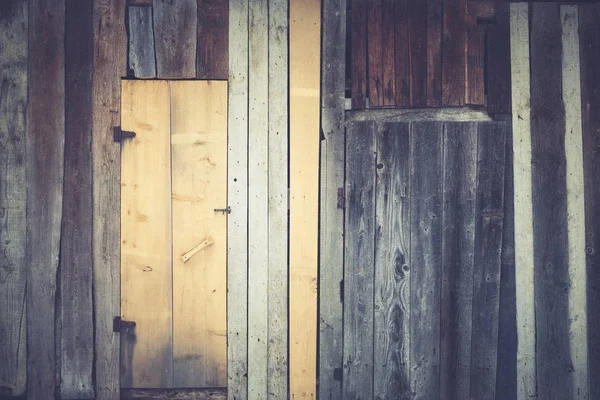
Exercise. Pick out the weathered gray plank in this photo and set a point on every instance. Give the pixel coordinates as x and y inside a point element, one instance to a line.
<point>488,248</point>
<point>331,253</point>
<point>392,264</point>
<point>458,241</point>
<point>142,58</point>
<point>45,144</point>
<point>237,193</point>
<point>359,261</point>
<point>455,114</point>
<point>175,29</point>
<point>426,258</point>
<point>110,60</point>
<point>13,108</point>
<point>277,357</point>
<point>76,306</point>
<point>174,394</point>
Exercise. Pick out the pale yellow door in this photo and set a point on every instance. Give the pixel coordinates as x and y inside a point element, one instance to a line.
<point>173,177</point>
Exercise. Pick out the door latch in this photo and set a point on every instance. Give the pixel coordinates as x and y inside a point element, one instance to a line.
<point>119,135</point>
<point>120,324</point>
<point>224,210</point>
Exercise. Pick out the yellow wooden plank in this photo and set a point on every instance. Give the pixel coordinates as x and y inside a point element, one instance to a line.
<point>199,163</point>
<point>305,39</point>
<point>146,280</point>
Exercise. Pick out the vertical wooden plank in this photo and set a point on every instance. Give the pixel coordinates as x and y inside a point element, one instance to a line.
<point>305,81</point>
<point>475,54</point>
<point>359,54</point>
<point>375,52</point>
<point>258,197</point>
<point>76,305</point>
<point>401,60</point>
<point>434,53</point>
<point>146,255</point>
<point>498,62</point>
<point>199,185</point>
<point>212,47</point>
<point>237,193</point>
<point>571,92</point>
<point>553,356</point>
<point>391,360</point>
<point>13,128</point>
<point>524,270</point>
<point>45,167</point>
<point>331,258</point>
<point>142,58</point>
<point>417,52</point>
<point>426,257</point>
<point>453,53</point>
<point>175,31</point>
<point>589,45</point>
<point>488,248</point>
<point>359,261</point>
<point>110,58</point>
<point>388,85</point>
<point>277,357</point>
<point>458,241</point>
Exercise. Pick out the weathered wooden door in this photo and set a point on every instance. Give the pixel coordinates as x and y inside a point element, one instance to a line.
<point>173,177</point>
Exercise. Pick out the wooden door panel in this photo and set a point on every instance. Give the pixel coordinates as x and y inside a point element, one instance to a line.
<point>146,265</point>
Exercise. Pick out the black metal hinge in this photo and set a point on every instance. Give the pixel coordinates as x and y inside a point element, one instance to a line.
<point>119,135</point>
<point>119,324</point>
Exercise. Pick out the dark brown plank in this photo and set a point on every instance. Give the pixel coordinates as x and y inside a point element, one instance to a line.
<point>458,241</point>
<point>417,52</point>
<point>488,248</point>
<point>589,39</point>
<point>142,59</point>
<point>359,54</point>
<point>174,394</point>
<point>389,73</point>
<point>76,307</point>
<point>175,34</point>
<point>401,61</point>
<point>548,157</point>
<point>110,60</point>
<point>498,62</point>
<point>375,52</point>
<point>453,53</point>
<point>13,192</point>
<point>45,144</point>
<point>426,258</point>
<point>212,39</point>
<point>475,45</point>
<point>434,53</point>
<point>359,262</point>
<point>392,264</point>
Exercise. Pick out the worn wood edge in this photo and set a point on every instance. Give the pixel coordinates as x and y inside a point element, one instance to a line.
<point>449,114</point>
<point>175,394</point>
<point>524,264</point>
<point>141,59</point>
<point>571,92</point>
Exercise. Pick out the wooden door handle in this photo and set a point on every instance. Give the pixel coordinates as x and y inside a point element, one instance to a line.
<point>205,243</point>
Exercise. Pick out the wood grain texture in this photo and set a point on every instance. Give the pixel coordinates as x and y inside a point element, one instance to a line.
<point>237,193</point>
<point>331,252</point>
<point>417,52</point>
<point>434,53</point>
<point>488,248</point>
<point>388,86</point>
<point>212,42</point>
<point>498,81</point>
<point>110,59</point>
<point>277,350</point>
<point>475,57</point>
<point>45,166</point>
<point>174,394</point>
<point>359,261</point>
<point>401,60</point>
<point>589,45</point>
<point>426,258</point>
<point>553,356</point>
<point>141,58</point>
<point>359,54</point>
<point>304,82</point>
<point>524,263</point>
<point>453,53</point>
<point>13,192</point>
<point>446,114</point>
<point>76,304</point>
<point>571,93</point>
<point>457,249</point>
<point>199,186</point>
<point>391,359</point>
<point>175,34</point>
<point>375,52</point>
<point>258,197</point>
